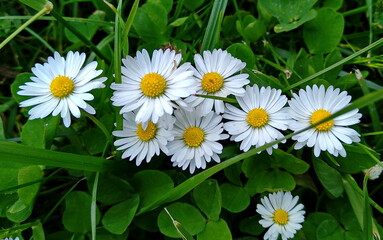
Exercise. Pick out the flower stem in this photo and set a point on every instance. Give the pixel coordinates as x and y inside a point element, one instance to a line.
<point>48,7</point>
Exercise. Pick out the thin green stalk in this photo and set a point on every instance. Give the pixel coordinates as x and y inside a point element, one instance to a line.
<point>80,36</point>
<point>343,61</point>
<point>355,186</point>
<point>367,150</point>
<point>355,11</point>
<point>93,206</point>
<point>37,36</point>
<point>101,126</point>
<point>117,60</point>
<point>128,25</point>
<point>372,133</point>
<point>48,7</point>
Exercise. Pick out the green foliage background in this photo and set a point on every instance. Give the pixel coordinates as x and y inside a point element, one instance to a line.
<point>70,183</point>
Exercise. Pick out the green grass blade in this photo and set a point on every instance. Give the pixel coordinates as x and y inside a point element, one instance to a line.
<point>80,36</point>
<point>367,214</point>
<point>13,152</point>
<point>127,26</point>
<point>117,60</point>
<point>343,61</point>
<point>93,208</point>
<point>213,28</point>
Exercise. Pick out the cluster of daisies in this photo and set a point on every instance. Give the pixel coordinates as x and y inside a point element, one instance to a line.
<point>178,109</point>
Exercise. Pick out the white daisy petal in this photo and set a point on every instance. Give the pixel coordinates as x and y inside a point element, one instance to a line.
<point>254,124</point>
<point>281,214</point>
<point>215,76</point>
<point>151,84</point>
<point>195,139</point>
<point>315,104</point>
<point>60,86</point>
<point>139,143</point>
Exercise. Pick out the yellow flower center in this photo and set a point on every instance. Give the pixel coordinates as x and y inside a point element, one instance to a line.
<point>257,118</point>
<point>148,134</point>
<point>61,86</point>
<point>194,136</point>
<point>319,115</point>
<point>281,217</point>
<point>212,82</point>
<point>153,85</point>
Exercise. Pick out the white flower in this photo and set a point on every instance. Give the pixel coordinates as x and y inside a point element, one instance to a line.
<point>139,143</point>
<point>257,122</point>
<point>281,215</point>
<point>60,86</point>
<point>150,85</point>
<point>195,139</point>
<point>374,172</point>
<point>17,238</point>
<point>215,75</point>
<point>314,105</point>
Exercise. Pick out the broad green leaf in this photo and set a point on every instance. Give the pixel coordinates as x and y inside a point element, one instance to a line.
<point>345,82</point>
<point>357,160</point>
<point>167,4</point>
<point>19,211</point>
<point>233,173</point>
<point>39,133</point>
<point>86,28</point>
<point>334,4</point>
<point>285,27</point>
<point>187,215</point>
<point>148,221</point>
<point>193,4</point>
<point>105,235</point>
<point>290,14</point>
<point>217,230</point>
<point>289,162</point>
<point>151,22</point>
<point>251,225</point>
<point>8,176</point>
<point>111,189</point>
<point>329,177</point>
<point>26,175</point>
<point>356,199</point>
<point>76,216</point>
<point>207,197</point>
<point>329,229</point>
<point>38,231</point>
<point>150,185</point>
<point>242,52</point>
<point>117,219</point>
<point>21,79</point>
<point>323,33</point>
<point>35,4</point>
<point>255,164</point>
<point>6,201</point>
<point>234,199</point>
<point>312,221</point>
<point>333,57</point>
<point>94,140</point>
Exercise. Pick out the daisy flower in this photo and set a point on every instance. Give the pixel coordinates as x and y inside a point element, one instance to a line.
<point>262,113</point>
<point>17,238</point>
<point>150,85</point>
<point>314,105</point>
<point>142,143</point>
<point>374,172</point>
<point>281,215</point>
<point>60,86</point>
<point>195,139</point>
<point>215,75</point>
